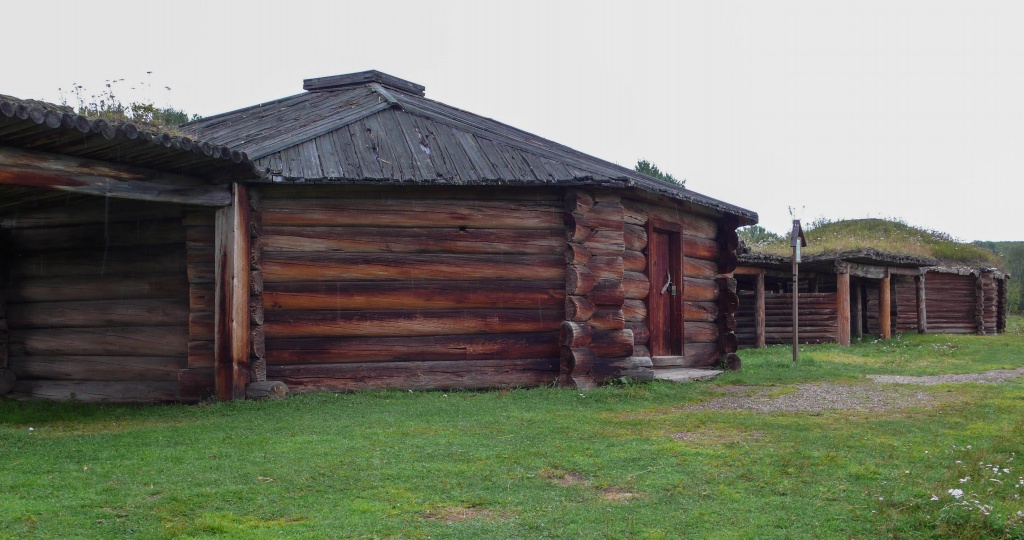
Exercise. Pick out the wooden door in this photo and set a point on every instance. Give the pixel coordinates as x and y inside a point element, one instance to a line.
<point>664,301</point>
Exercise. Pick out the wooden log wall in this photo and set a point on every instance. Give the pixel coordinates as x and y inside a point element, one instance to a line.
<point>818,318</point>
<point>904,304</point>
<point>6,376</point>
<point>197,379</point>
<point>598,342</point>
<point>952,303</point>
<point>871,288</point>
<point>1001,305</point>
<point>701,289</point>
<point>413,287</point>
<point>97,300</point>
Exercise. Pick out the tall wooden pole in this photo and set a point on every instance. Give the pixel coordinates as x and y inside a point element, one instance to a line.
<point>884,306</point>
<point>759,339</point>
<point>857,310</point>
<point>843,307</point>
<point>796,305</point>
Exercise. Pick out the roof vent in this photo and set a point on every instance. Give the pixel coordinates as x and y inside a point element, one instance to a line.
<point>322,84</point>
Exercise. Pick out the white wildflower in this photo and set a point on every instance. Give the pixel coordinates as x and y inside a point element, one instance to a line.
<point>935,497</point>
<point>956,493</point>
<point>964,480</point>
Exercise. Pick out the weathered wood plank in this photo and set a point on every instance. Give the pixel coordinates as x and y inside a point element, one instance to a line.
<point>412,295</point>
<point>98,368</point>
<point>297,324</point>
<point>97,391</point>
<point>412,240</point>
<point>489,346</point>
<point>96,314</point>
<point>534,215</point>
<point>302,266</point>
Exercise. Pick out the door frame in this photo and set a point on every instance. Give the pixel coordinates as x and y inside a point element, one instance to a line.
<point>654,321</point>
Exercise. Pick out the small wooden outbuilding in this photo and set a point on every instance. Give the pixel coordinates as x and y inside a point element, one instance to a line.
<point>397,242</point>
<point>849,295</point>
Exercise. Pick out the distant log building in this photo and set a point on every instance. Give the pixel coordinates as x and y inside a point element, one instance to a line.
<point>850,295</point>
<point>354,236</point>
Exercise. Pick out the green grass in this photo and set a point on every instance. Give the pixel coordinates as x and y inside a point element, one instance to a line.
<point>888,236</point>
<point>624,461</point>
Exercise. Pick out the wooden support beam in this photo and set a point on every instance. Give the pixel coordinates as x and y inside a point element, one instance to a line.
<point>759,319</point>
<point>231,303</point>
<point>922,310</point>
<point>92,177</point>
<point>884,305</point>
<point>861,270</point>
<point>843,308</point>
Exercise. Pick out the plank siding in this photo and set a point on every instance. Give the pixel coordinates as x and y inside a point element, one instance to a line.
<point>375,289</point>
<point>98,301</point>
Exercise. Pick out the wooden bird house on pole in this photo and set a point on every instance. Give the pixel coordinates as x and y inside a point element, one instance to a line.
<point>796,241</point>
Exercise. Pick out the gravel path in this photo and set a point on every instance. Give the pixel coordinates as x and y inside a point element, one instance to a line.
<point>867,397</point>
<point>994,376</point>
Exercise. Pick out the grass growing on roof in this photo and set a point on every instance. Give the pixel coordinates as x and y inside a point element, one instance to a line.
<point>887,236</point>
<point>626,461</point>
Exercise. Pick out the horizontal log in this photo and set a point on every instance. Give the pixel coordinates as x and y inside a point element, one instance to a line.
<point>133,234</point>
<point>700,290</point>
<point>634,261</point>
<point>451,239</point>
<point>97,368</point>
<point>165,341</point>
<point>700,311</point>
<point>576,362</point>
<point>98,313</point>
<point>379,192</point>
<point>20,167</point>
<point>97,391</point>
<point>416,375</point>
<point>579,280</point>
<point>303,266</point>
<point>85,288</point>
<point>635,237</point>
<point>699,332</point>
<point>100,262</point>
<point>608,319</point>
<point>298,324</point>
<point>575,335</point>
<point>700,248</point>
<point>578,201</point>
<point>697,268</point>
<point>606,243</point>
<point>612,343</point>
<point>606,215</point>
<point>200,354</point>
<point>606,269</point>
<point>536,215</point>
<point>91,211</point>
<point>727,343</point>
<point>412,294</point>
<point>634,310</point>
<point>637,368</point>
<point>607,295</point>
<point>577,230</point>
<point>578,308</point>
<point>635,285</point>
<point>701,354</point>
<point>576,254</point>
<point>405,349</point>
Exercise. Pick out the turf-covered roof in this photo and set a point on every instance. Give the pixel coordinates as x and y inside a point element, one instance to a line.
<point>875,241</point>
<point>372,127</point>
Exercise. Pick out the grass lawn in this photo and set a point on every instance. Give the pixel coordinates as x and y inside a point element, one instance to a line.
<point>626,461</point>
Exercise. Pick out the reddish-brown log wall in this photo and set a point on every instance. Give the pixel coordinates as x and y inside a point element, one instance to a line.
<point>411,287</point>
<point>951,303</point>
<point>97,297</point>
<point>904,304</point>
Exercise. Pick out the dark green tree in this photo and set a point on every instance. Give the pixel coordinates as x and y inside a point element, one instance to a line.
<point>647,168</point>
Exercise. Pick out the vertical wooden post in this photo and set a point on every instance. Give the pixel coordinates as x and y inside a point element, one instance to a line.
<point>231,297</point>
<point>759,339</point>
<point>857,310</point>
<point>884,306</point>
<point>843,307</point>
<point>796,306</point>
<point>922,312</point>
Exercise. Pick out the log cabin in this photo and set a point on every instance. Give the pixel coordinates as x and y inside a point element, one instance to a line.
<point>853,294</point>
<point>362,237</point>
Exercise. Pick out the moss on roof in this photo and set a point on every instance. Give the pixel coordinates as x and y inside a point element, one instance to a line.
<point>893,238</point>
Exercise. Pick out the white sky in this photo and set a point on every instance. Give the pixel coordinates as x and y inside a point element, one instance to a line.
<point>910,109</point>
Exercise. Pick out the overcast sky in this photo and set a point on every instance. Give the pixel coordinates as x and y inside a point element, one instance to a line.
<point>838,109</point>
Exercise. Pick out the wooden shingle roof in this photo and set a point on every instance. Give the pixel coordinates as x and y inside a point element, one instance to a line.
<point>372,127</point>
